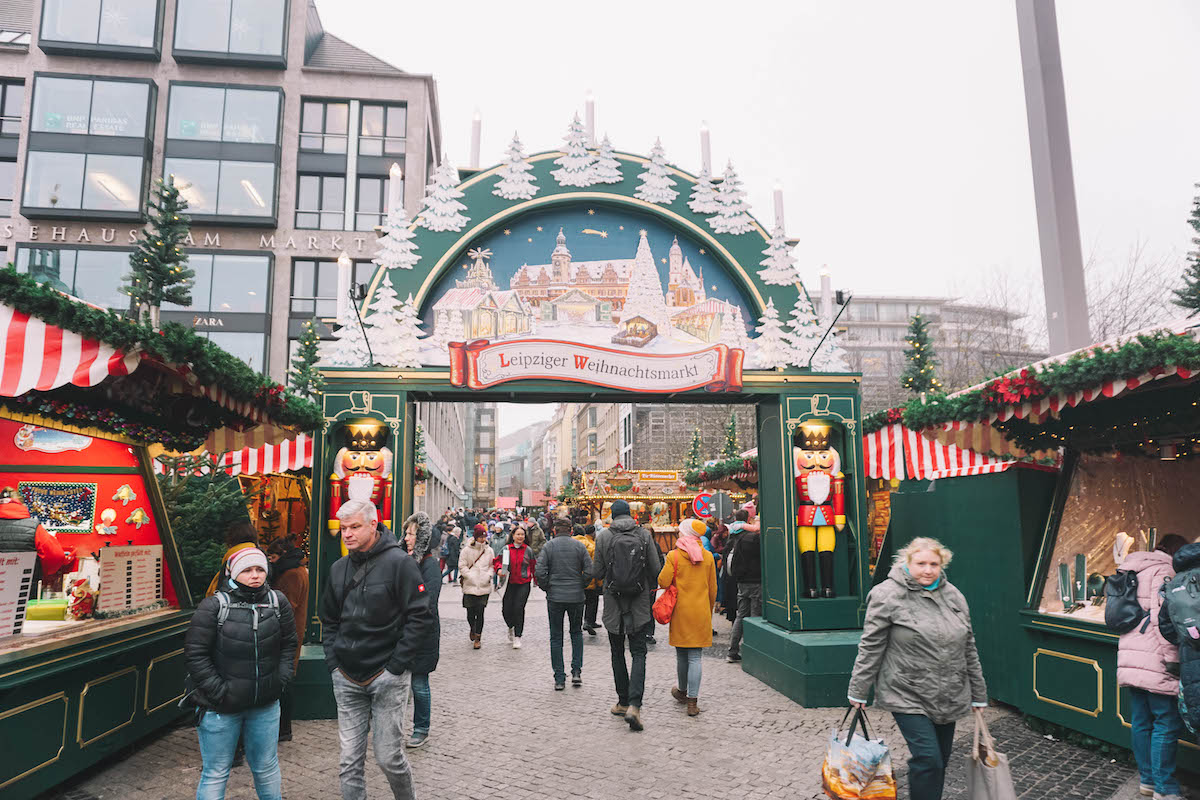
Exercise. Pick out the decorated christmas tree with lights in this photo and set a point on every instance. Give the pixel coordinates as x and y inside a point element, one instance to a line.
<point>305,378</point>
<point>730,450</point>
<point>442,211</point>
<point>516,182</point>
<point>158,267</point>
<point>575,166</point>
<point>695,453</point>
<point>656,183</point>
<point>920,374</point>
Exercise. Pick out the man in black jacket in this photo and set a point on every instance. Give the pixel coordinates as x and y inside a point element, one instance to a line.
<point>563,568</point>
<point>746,568</point>
<point>374,615</point>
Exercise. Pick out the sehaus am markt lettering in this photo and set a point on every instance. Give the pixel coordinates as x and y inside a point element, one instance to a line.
<point>238,240</point>
<point>596,365</point>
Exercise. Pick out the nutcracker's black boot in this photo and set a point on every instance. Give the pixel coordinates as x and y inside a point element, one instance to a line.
<point>808,565</point>
<point>827,574</point>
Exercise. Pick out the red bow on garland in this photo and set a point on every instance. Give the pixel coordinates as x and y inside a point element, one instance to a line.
<point>1010,390</point>
<point>272,396</point>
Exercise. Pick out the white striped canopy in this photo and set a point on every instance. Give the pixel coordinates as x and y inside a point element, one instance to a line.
<point>292,454</point>
<point>895,452</point>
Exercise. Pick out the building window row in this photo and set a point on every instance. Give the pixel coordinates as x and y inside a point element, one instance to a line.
<point>223,114</point>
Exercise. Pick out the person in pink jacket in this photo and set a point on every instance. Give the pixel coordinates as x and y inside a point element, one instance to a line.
<point>1142,658</point>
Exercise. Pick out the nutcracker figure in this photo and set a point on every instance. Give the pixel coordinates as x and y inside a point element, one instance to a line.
<point>820,506</point>
<point>362,470</point>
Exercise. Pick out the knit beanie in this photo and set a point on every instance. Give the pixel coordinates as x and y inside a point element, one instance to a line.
<point>244,559</point>
<point>562,525</point>
<point>480,528</point>
<point>692,527</point>
<point>620,508</point>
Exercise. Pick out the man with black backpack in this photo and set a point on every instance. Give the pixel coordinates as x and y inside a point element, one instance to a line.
<point>627,564</point>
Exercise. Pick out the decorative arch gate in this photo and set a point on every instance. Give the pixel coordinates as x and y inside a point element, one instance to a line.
<point>675,304</point>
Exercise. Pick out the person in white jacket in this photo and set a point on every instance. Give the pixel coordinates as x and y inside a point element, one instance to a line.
<point>475,577</point>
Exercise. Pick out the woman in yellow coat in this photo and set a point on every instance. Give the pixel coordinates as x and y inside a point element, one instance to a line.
<point>690,566</point>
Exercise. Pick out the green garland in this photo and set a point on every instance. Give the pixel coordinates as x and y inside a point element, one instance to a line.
<point>175,344</point>
<point>722,469</point>
<point>1084,370</point>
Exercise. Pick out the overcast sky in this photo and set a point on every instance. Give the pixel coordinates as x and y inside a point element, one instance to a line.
<point>897,130</point>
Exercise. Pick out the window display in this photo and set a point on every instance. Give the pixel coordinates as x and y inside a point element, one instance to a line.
<point>1116,503</point>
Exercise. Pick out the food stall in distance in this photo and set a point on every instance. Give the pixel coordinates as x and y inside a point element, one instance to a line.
<point>1033,548</point>
<point>94,603</point>
<point>277,482</point>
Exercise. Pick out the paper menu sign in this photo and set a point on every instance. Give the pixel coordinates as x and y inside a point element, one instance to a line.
<point>130,577</point>
<point>16,584</point>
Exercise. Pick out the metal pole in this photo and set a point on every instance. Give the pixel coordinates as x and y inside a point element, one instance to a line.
<point>1053,178</point>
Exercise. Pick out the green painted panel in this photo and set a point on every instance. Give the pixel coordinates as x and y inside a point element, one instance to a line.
<point>165,675</point>
<point>106,705</point>
<point>811,668</point>
<point>1069,681</point>
<point>35,736</point>
<point>312,691</point>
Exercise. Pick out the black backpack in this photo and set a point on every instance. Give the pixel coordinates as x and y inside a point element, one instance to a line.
<point>1122,611</point>
<point>626,568</point>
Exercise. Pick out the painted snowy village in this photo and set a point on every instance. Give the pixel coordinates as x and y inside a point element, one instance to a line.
<point>593,275</point>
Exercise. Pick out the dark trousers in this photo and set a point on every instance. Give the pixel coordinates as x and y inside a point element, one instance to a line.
<point>929,751</point>
<point>475,619</point>
<point>731,593</point>
<point>513,606</point>
<point>630,684</point>
<point>574,613</point>
<point>591,607</point>
<point>285,713</point>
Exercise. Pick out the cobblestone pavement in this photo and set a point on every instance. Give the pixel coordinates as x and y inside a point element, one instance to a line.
<point>501,731</point>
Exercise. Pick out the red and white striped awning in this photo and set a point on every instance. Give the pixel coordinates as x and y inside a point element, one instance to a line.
<point>39,356</point>
<point>895,452</point>
<point>293,454</point>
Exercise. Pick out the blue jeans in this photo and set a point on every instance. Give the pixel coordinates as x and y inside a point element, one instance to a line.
<point>377,708</point>
<point>929,751</point>
<point>422,703</point>
<point>1156,726</point>
<point>574,612</point>
<point>259,730</point>
<point>687,669</point>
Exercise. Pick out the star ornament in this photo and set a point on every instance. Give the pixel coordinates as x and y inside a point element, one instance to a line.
<point>507,232</point>
<point>591,212</point>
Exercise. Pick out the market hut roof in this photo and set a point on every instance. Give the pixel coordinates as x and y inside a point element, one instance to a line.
<point>85,366</point>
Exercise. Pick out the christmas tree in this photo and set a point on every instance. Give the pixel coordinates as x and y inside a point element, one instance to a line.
<point>420,472</point>
<point>655,186</point>
<point>447,328</point>
<point>158,267</point>
<point>442,211</point>
<point>771,348</point>
<point>607,168</point>
<point>305,378</point>
<point>409,335</point>
<point>396,249</point>
<point>919,375</point>
<point>515,181</point>
<point>695,452</point>
<point>575,166</point>
<point>730,450</point>
<point>733,214</point>
<point>384,324</point>
<point>733,328</point>
<point>645,295</point>
<point>704,195</point>
<point>349,346</point>
<point>778,268</point>
<point>804,331</point>
<point>1189,296</point>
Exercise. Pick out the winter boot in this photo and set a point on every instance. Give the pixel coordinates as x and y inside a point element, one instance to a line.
<point>619,710</point>
<point>693,707</point>
<point>634,717</point>
<point>827,574</point>
<point>808,566</point>
<point>679,696</point>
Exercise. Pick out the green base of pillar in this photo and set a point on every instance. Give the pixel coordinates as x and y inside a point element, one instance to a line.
<point>810,667</point>
<point>312,691</point>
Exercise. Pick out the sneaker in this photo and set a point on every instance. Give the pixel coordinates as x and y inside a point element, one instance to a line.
<point>417,740</point>
<point>560,685</point>
<point>1145,790</point>
<point>516,643</point>
<point>1158,796</point>
<point>576,680</point>
<point>619,710</point>
<point>591,629</point>
<point>732,659</point>
<point>510,634</point>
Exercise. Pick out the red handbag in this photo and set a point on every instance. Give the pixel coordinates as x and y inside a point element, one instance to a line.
<point>664,606</point>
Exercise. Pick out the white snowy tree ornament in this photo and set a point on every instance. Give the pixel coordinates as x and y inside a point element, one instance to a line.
<point>515,181</point>
<point>607,168</point>
<point>778,268</point>
<point>442,211</point>
<point>803,331</point>
<point>396,248</point>
<point>831,357</point>
<point>408,336</point>
<point>447,328</point>
<point>733,213</point>
<point>349,346</point>
<point>704,195</point>
<point>733,328</point>
<point>383,323</point>
<point>575,166</point>
<point>645,296</point>
<point>771,348</point>
<point>655,186</point>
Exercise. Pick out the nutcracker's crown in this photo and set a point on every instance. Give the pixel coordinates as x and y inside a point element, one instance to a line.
<point>365,436</point>
<point>814,437</point>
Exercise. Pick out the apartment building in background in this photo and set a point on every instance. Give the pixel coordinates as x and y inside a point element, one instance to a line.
<point>280,136</point>
<point>444,426</point>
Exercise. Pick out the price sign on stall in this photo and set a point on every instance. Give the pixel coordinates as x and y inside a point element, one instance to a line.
<point>703,504</point>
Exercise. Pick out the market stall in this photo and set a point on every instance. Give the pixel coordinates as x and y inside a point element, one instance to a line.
<point>1125,415</point>
<point>93,599</point>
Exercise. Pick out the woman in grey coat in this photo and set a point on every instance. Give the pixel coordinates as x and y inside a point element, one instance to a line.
<point>918,652</point>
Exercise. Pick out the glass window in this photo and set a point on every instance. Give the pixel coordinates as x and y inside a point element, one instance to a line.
<point>228,188</point>
<point>252,27</point>
<point>113,183</point>
<point>251,116</point>
<point>239,284</point>
<point>323,126</point>
<point>10,107</point>
<point>209,113</point>
<point>320,202</point>
<point>90,182</point>
<point>314,285</point>
<point>124,23</point>
<point>249,347</point>
<point>893,312</point>
<point>201,264</point>
<point>92,275</point>
<point>382,130</point>
<point>8,186</point>
<point>372,202</point>
<point>54,180</point>
<point>82,106</point>
<point>195,113</point>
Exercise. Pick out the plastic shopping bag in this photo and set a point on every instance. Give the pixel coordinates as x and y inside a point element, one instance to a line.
<point>988,775</point>
<point>857,767</point>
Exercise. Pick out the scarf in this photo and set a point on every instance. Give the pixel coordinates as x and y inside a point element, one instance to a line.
<point>689,542</point>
